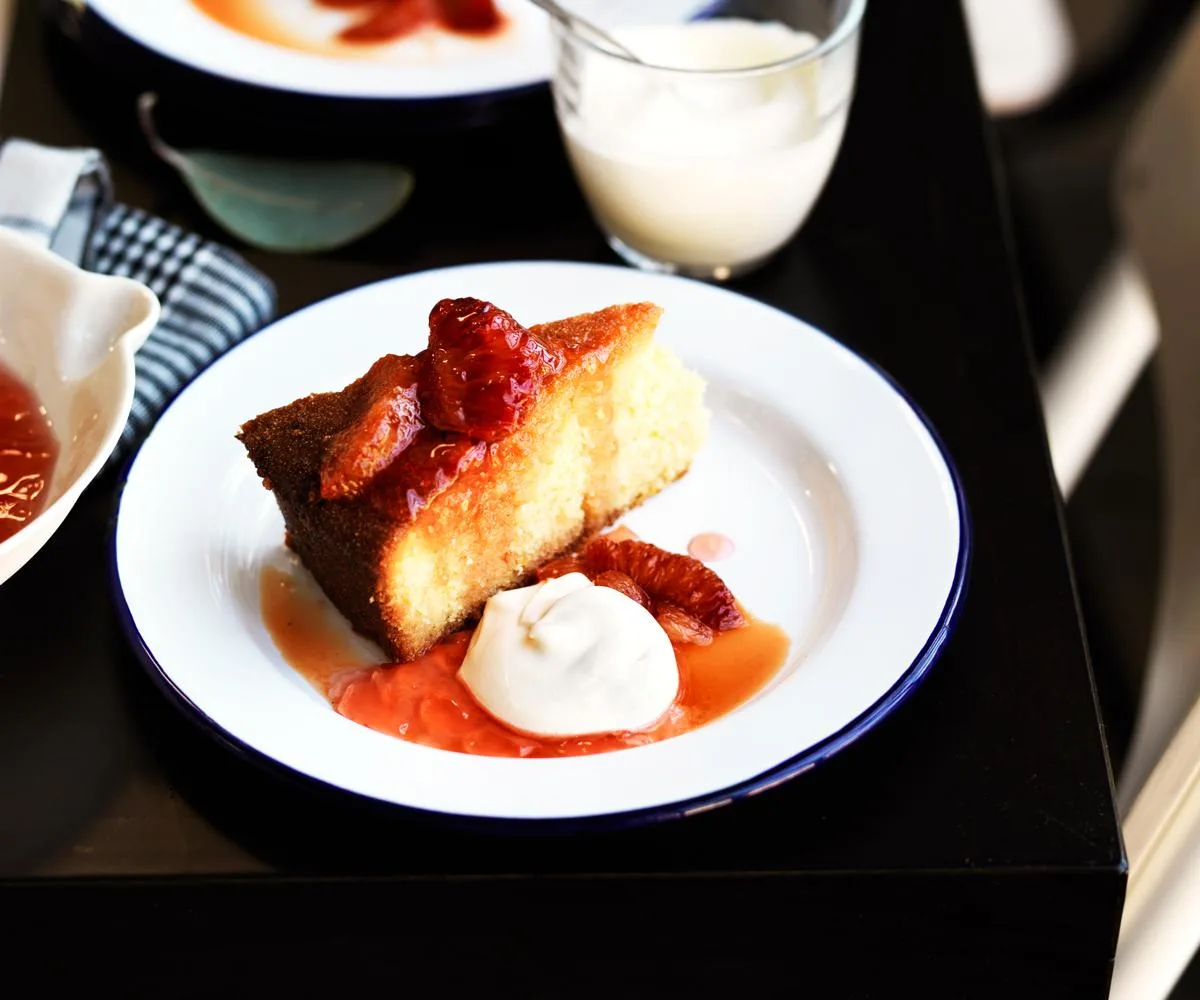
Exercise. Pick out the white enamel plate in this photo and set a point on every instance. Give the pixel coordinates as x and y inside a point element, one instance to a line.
<point>849,525</point>
<point>295,49</point>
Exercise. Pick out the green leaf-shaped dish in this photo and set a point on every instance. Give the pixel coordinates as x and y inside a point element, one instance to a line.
<point>293,206</point>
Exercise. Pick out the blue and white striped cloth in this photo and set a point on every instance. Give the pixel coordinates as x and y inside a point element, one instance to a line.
<point>211,298</point>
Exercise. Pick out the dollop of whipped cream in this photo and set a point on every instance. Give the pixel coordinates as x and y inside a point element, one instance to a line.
<point>567,658</point>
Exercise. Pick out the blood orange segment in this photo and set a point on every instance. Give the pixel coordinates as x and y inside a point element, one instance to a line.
<point>427,467</point>
<point>622,584</point>
<point>483,370</point>
<point>571,563</point>
<point>385,418</point>
<point>681,628</point>
<point>669,578</point>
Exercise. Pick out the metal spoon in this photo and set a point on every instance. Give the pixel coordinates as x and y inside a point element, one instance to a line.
<point>582,26</point>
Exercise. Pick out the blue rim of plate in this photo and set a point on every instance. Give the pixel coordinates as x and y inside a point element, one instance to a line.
<point>794,767</point>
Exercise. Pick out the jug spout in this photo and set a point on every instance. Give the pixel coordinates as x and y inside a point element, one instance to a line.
<point>106,314</point>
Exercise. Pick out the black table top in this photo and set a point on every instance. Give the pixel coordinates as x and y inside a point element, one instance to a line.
<point>969,843</point>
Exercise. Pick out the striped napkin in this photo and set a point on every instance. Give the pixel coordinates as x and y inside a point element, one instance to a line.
<point>211,298</point>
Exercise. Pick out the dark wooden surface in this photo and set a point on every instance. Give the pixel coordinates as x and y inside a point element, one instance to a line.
<point>967,847</point>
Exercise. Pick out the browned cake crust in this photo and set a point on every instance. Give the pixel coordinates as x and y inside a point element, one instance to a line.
<point>350,545</point>
<point>341,543</point>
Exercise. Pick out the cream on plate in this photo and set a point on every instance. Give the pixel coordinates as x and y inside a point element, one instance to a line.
<point>567,658</point>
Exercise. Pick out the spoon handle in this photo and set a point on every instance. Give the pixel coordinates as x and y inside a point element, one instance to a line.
<point>582,26</point>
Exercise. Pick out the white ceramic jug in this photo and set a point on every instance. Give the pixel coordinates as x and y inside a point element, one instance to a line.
<point>71,336</point>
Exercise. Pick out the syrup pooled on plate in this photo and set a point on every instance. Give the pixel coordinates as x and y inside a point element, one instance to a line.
<point>374,22</point>
<point>28,451</point>
<point>424,702</point>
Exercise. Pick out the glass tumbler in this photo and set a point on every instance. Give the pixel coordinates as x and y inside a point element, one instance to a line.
<point>706,153</point>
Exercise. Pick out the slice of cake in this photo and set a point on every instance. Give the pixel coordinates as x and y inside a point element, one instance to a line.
<point>436,480</point>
